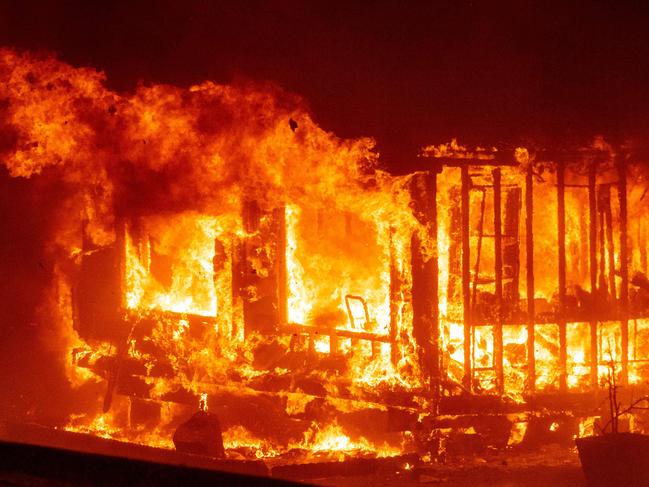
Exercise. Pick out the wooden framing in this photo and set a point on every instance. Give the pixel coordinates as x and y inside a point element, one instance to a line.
<point>624,269</point>
<point>592,259</point>
<point>395,298</point>
<point>498,271</point>
<point>425,300</point>
<point>466,278</point>
<point>425,267</point>
<point>561,247</point>
<point>279,217</point>
<point>529,264</point>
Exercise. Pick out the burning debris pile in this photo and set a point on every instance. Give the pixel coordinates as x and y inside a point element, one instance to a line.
<point>215,247</point>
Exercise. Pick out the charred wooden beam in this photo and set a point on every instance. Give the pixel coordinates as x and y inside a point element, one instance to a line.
<point>257,273</point>
<point>561,317</point>
<point>642,246</point>
<point>334,346</point>
<point>603,284</point>
<point>120,243</point>
<point>466,277</point>
<point>395,299</point>
<point>100,288</point>
<point>624,269</point>
<point>502,158</point>
<point>311,345</point>
<point>592,248</point>
<point>114,316</point>
<point>478,253</point>
<point>279,216</point>
<point>507,157</point>
<point>222,277</point>
<point>454,287</point>
<point>584,239</point>
<point>425,304</point>
<point>529,261</point>
<point>511,249</point>
<point>608,220</point>
<point>498,270</point>
<point>250,216</point>
<point>237,257</point>
<point>376,349</point>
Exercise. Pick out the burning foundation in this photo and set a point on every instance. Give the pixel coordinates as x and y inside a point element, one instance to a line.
<point>216,247</point>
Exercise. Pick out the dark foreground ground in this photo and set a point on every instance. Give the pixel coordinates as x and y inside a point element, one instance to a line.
<point>45,457</point>
<point>551,466</point>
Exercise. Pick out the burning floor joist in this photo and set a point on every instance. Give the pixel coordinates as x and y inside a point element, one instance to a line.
<point>233,281</point>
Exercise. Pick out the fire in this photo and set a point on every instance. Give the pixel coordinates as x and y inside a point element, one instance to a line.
<point>333,439</point>
<point>217,246</point>
<point>239,437</point>
<point>517,433</point>
<point>186,246</point>
<point>587,426</point>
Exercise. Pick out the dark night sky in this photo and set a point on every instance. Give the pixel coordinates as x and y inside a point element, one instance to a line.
<point>406,73</point>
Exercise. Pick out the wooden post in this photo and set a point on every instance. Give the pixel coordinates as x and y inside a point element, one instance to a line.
<point>376,348</point>
<point>251,218</point>
<point>603,284</point>
<point>349,235</point>
<point>608,214</point>
<point>642,246</point>
<point>257,274</point>
<point>454,288</point>
<point>529,250</point>
<point>478,252</point>
<point>584,240</point>
<point>311,345</point>
<point>466,277</point>
<point>334,347</point>
<point>121,230</point>
<point>425,300</point>
<point>624,270</point>
<point>222,279</point>
<point>237,260</point>
<point>561,318</point>
<point>592,248</point>
<point>279,217</point>
<point>122,344</point>
<point>395,300</point>
<point>498,271</point>
<point>511,252</point>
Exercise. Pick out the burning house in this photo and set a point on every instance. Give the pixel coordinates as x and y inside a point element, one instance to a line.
<point>215,250</point>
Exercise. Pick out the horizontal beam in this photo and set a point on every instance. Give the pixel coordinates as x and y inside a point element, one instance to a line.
<point>474,161</point>
<point>322,330</point>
